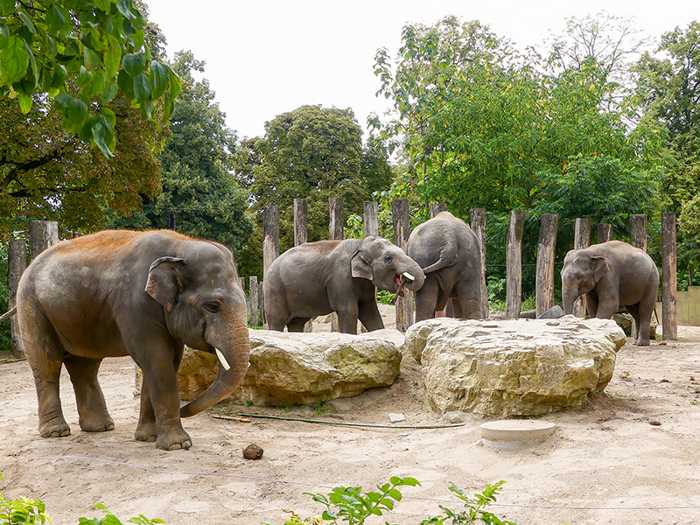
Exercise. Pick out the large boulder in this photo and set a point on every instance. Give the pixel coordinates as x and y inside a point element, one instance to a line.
<point>518,367</point>
<point>302,368</point>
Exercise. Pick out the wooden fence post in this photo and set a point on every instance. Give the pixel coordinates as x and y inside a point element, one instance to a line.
<point>300,232</point>
<point>582,239</point>
<point>514,267</point>
<point>17,263</point>
<point>544,281</point>
<point>253,301</point>
<point>271,236</point>
<point>603,232</point>
<point>335,233</point>
<point>42,235</point>
<point>405,306</point>
<point>370,219</point>
<point>437,207</point>
<point>670,282</point>
<point>478,224</point>
<point>638,231</point>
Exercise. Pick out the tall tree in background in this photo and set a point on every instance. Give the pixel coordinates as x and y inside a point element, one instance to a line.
<point>199,196</point>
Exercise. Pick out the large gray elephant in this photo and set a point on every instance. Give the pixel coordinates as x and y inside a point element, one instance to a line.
<point>448,251</point>
<point>612,274</point>
<point>317,278</point>
<point>118,293</point>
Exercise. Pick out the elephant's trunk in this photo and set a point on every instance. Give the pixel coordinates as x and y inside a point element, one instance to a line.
<point>413,269</point>
<point>234,347</point>
<point>568,300</point>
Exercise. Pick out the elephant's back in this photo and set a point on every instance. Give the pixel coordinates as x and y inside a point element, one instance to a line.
<point>427,240</point>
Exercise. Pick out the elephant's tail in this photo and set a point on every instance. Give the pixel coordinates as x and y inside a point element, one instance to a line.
<point>12,311</point>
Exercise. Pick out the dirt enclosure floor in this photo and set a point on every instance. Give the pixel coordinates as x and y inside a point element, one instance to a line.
<point>605,464</point>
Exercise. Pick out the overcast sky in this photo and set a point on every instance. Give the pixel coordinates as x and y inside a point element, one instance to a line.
<point>265,57</point>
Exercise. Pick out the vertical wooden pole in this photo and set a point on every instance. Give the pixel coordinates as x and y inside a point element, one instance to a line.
<point>371,219</point>
<point>335,225</point>
<point>261,305</point>
<point>670,282</point>
<point>582,239</point>
<point>300,232</point>
<point>437,207</point>
<point>544,281</point>
<point>638,231</point>
<point>478,224</point>
<point>253,301</point>
<point>271,236</point>
<point>405,306</point>
<point>514,266</point>
<point>335,233</point>
<point>603,232</point>
<point>17,263</point>
<point>42,235</point>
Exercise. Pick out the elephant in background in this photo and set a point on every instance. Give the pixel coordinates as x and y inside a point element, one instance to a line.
<point>317,278</point>
<point>143,294</point>
<point>612,274</point>
<point>448,251</point>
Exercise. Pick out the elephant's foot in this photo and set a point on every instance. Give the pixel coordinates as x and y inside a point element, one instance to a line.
<point>146,432</point>
<point>642,342</point>
<point>173,439</point>
<point>96,423</point>
<point>54,429</point>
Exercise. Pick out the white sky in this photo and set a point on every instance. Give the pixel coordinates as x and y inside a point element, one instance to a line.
<point>265,57</point>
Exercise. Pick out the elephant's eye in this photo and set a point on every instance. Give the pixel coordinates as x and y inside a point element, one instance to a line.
<point>212,307</point>
<point>388,259</point>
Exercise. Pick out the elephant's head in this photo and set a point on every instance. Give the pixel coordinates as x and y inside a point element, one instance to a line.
<point>204,307</point>
<point>386,265</point>
<point>581,272</point>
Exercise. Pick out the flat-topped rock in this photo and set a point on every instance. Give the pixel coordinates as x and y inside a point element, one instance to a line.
<point>302,368</point>
<point>514,367</point>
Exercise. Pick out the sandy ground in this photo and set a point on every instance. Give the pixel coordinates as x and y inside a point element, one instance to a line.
<point>606,464</point>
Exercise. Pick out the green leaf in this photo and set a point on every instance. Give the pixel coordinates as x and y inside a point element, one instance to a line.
<point>25,102</point>
<point>92,59</point>
<point>124,7</point>
<point>7,7</point>
<point>14,61</point>
<point>159,79</point>
<point>103,5</point>
<point>110,92</point>
<point>32,62</point>
<point>134,63</point>
<point>4,35</point>
<point>126,84</point>
<point>56,18</point>
<point>26,20</point>
<point>75,111</point>
<point>112,56</point>
<point>142,89</point>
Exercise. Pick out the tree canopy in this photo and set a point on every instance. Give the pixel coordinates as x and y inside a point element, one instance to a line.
<point>82,53</point>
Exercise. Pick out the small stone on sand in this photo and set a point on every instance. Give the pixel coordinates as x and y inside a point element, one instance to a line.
<point>655,423</point>
<point>396,418</point>
<point>252,451</point>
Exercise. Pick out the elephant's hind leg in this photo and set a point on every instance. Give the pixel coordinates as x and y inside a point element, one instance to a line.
<point>468,300</point>
<point>297,324</point>
<point>92,410</point>
<point>45,355</point>
<point>427,299</point>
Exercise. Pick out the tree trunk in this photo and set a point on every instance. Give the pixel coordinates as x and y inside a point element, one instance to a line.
<point>300,233</point>
<point>405,306</point>
<point>253,301</point>
<point>478,224</point>
<point>437,207</point>
<point>370,219</point>
<point>42,235</point>
<point>335,232</point>
<point>603,232</point>
<point>17,263</point>
<point>638,231</point>
<point>582,239</point>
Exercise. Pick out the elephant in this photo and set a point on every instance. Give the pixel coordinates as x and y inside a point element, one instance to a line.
<point>144,294</point>
<point>317,278</point>
<point>448,251</point>
<point>612,274</point>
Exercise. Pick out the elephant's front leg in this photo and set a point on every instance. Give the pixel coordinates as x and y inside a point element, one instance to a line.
<point>608,305</point>
<point>347,318</point>
<point>370,317</point>
<point>162,401</point>
<point>427,299</point>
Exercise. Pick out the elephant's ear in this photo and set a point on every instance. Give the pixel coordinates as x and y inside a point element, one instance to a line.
<point>164,282</point>
<point>600,266</point>
<point>361,269</point>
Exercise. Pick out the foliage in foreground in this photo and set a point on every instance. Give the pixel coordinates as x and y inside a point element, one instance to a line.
<point>354,506</point>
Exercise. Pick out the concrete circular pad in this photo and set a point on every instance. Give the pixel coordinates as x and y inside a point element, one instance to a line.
<point>517,430</point>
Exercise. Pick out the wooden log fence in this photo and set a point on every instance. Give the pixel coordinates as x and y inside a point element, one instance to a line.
<point>371,219</point>
<point>405,306</point>
<point>335,233</point>
<point>514,264</point>
<point>582,239</point>
<point>478,225</point>
<point>669,296</point>
<point>300,232</point>
<point>638,231</point>
<point>603,232</point>
<point>544,280</point>
<point>17,263</point>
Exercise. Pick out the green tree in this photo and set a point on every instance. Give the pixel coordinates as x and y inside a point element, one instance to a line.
<point>199,196</point>
<point>82,54</point>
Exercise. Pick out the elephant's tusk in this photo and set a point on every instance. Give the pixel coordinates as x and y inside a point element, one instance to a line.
<point>222,359</point>
<point>408,276</point>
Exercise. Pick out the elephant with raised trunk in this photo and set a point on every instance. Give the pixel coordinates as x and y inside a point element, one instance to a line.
<point>317,278</point>
<point>448,251</point>
<point>143,294</point>
<point>612,274</point>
